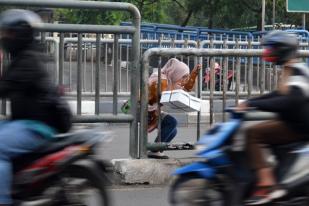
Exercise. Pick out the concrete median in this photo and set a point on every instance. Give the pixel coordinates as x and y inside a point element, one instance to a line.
<point>146,171</point>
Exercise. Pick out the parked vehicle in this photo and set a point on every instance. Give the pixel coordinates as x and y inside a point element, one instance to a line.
<point>222,177</point>
<point>65,173</point>
<point>218,74</point>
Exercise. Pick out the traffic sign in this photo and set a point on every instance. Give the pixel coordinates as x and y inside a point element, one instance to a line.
<point>297,6</point>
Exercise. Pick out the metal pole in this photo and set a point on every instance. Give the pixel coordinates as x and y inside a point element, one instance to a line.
<point>91,64</point>
<point>105,66</point>
<point>238,69</point>
<point>274,13</point>
<point>116,71</point>
<point>84,77</point>
<point>136,74</point>
<point>304,21</point>
<point>79,75</point>
<point>263,16</point>
<point>274,75</point>
<point>212,83</point>
<point>212,86</point>
<point>70,66</point>
<point>250,70</point>
<point>61,58</point>
<point>224,79</point>
<point>198,95</point>
<point>263,77</point>
<point>97,74</point>
<point>159,94</point>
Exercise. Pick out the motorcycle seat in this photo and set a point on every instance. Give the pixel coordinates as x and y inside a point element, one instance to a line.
<point>59,143</point>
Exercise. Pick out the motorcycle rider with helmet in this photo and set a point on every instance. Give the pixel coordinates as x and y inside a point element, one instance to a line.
<point>289,101</point>
<point>37,111</point>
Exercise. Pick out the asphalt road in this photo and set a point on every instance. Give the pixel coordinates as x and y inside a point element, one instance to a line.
<point>139,196</point>
<point>118,148</point>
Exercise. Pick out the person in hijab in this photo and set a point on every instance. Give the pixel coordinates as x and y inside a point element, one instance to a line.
<point>174,75</point>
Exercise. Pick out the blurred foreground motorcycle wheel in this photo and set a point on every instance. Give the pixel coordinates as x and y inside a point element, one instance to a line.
<point>195,191</point>
<point>83,187</point>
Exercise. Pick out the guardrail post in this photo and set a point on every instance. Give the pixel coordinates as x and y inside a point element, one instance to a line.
<point>212,83</point>
<point>238,69</point>
<point>116,71</point>
<point>224,79</point>
<point>199,91</point>
<point>97,74</point>
<point>250,70</point>
<point>79,74</point>
<point>61,58</point>
<point>137,74</point>
<point>263,78</point>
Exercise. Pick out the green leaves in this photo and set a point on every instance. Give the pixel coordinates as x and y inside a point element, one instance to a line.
<point>205,13</point>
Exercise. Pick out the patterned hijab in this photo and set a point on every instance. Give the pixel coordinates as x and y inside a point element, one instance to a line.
<point>173,71</point>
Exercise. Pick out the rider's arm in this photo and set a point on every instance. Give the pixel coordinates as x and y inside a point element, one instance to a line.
<point>278,102</point>
<point>265,96</point>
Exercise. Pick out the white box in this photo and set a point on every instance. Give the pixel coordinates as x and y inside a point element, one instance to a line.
<point>179,101</point>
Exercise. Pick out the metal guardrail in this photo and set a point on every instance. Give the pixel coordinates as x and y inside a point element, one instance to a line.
<point>168,31</point>
<point>89,48</point>
<point>107,53</point>
<point>70,47</point>
<point>199,54</point>
<point>134,30</point>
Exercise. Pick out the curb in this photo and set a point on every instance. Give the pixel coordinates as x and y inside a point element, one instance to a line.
<point>146,171</point>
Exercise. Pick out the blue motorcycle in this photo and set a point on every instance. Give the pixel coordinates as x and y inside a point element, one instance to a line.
<point>222,177</point>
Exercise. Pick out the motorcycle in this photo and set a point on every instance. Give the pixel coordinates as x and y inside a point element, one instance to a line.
<point>222,176</point>
<point>63,173</point>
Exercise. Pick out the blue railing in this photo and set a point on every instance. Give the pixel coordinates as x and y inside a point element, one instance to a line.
<point>168,31</point>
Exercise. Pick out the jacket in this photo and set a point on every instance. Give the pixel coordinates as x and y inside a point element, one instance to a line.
<point>293,108</point>
<point>32,95</point>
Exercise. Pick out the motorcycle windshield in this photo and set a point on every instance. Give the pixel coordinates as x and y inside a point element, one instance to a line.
<point>217,136</point>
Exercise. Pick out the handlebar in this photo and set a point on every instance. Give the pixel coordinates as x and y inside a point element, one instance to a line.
<point>251,114</point>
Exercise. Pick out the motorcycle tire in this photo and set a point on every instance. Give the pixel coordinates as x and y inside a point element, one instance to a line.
<point>78,182</point>
<point>195,191</point>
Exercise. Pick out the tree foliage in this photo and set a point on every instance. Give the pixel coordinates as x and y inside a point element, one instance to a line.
<point>204,13</point>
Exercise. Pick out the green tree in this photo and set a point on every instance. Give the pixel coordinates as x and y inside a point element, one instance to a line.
<point>206,13</point>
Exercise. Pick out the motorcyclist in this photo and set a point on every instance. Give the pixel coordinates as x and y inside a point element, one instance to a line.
<point>290,101</point>
<point>37,111</point>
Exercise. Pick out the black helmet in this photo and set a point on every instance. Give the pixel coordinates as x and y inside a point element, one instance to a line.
<point>281,46</point>
<point>23,24</point>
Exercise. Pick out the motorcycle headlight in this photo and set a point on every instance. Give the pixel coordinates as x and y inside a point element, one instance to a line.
<point>200,147</point>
